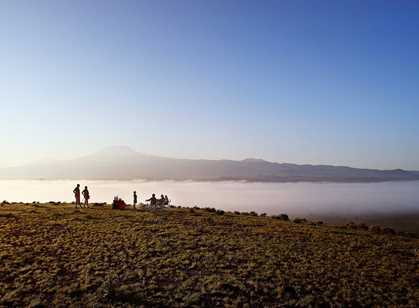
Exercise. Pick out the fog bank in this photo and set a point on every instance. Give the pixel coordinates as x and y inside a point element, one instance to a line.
<point>303,199</point>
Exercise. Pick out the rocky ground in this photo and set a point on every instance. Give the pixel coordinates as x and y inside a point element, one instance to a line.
<point>54,255</point>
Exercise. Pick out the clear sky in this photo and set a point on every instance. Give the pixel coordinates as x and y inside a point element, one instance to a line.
<point>325,82</point>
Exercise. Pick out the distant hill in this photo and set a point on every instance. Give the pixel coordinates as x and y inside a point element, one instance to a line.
<point>123,163</point>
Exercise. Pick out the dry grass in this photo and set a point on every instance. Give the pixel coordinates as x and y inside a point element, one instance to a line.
<point>59,256</point>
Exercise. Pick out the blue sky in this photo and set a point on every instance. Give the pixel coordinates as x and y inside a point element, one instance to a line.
<point>324,82</point>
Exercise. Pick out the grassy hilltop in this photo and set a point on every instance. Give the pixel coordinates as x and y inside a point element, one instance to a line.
<point>55,255</point>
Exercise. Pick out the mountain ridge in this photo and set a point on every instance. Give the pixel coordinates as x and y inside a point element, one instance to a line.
<point>123,163</point>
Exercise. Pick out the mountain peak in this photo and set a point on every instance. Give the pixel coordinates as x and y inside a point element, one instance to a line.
<point>122,162</point>
<point>117,150</point>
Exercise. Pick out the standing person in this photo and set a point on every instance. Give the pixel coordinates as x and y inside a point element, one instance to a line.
<point>153,200</point>
<point>86,196</point>
<point>76,192</point>
<point>135,199</point>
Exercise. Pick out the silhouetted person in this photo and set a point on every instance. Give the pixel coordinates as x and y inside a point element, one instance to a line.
<point>162,200</point>
<point>153,200</point>
<point>76,192</point>
<point>86,196</point>
<point>135,199</point>
<point>166,200</point>
<point>118,203</point>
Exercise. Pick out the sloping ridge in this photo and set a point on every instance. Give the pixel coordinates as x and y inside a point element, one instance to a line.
<point>124,163</point>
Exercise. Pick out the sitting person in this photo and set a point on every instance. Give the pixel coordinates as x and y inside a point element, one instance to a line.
<point>161,201</point>
<point>118,204</point>
<point>166,200</point>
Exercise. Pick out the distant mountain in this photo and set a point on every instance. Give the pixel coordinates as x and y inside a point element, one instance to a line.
<point>124,163</point>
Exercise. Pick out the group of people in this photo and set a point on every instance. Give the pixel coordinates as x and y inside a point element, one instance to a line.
<point>118,203</point>
<point>154,202</point>
<point>86,196</point>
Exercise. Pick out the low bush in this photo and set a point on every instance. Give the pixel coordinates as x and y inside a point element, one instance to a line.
<point>283,217</point>
<point>351,225</point>
<point>99,204</point>
<point>363,226</point>
<point>54,202</point>
<point>389,231</point>
<point>300,220</point>
<point>375,229</point>
<point>211,209</point>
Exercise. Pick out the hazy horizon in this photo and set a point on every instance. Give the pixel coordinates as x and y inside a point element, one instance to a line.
<point>287,81</point>
<point>345,199</point>
<point>128,148</point>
